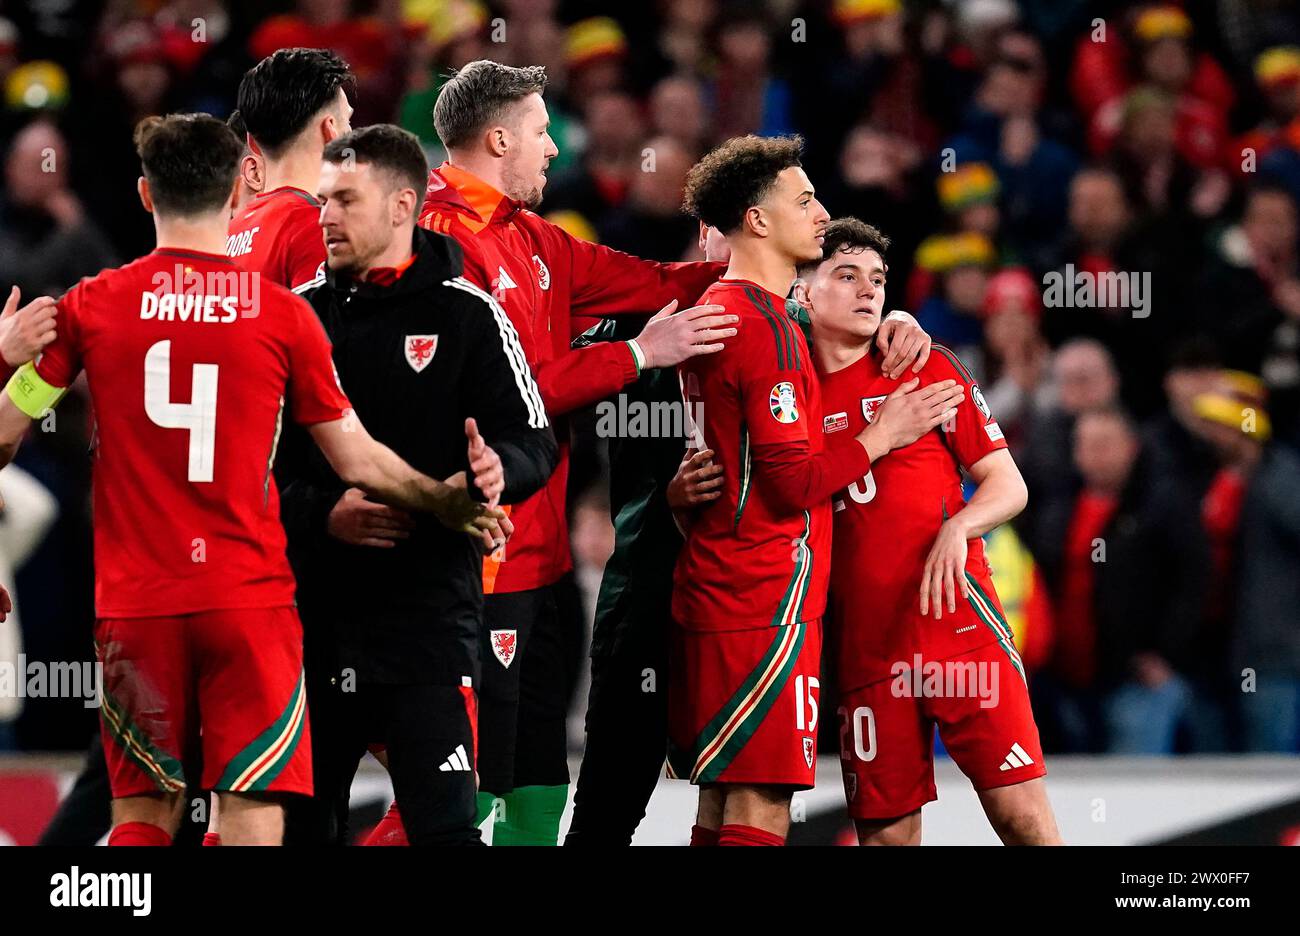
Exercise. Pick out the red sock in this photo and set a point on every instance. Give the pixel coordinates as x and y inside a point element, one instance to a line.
<point>390,830</point>
<point>703,836</point>
<point>211,838</point>
<point>138,833</point>
<point>747,835</point>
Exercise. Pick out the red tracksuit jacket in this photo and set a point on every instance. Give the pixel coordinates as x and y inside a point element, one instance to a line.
<point>543,276</point>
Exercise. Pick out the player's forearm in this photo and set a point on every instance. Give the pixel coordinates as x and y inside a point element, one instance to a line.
<point>797,481</point>
<point>998,498</point>
<point>390,480</point>
<point>584,376</point>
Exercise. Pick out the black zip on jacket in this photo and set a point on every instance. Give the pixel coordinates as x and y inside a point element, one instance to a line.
<point>416,358</point>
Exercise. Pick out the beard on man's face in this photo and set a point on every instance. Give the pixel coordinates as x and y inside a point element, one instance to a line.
<point>521,187</point>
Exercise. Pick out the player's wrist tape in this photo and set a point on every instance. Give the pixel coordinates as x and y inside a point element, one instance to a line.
<point>31,393</point>
<point>638,356</point>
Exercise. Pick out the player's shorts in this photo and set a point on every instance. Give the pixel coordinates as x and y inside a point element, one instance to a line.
<point>742,705</point>
<point>980,704</point>
<point>230,682</point>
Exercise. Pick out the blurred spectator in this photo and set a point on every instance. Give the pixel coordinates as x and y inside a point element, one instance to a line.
<point>651,223</point>
<point>1250,298</point>
<point>133,81</point>
<point>876,178</point>
<point>595,53</point>
<point>369,44</point>
<point>1275,143</point>
<point>877,77</point>
<point>1128,577</point>
<point>1083,378</point>
<point>31,90</point>
<point>1256,492</point>
<point>1175,438</point>
<point>1161,178</point>
<point>1008,127</point>
<point>1163,57</point>
<point>1017,356</point>
<point>682,43</point>
<point>969,194</point>
<point>959,265</point>
<point>598,185</point>
<point>25,518</point>
<point>444,37</point>
<point>47,242</point>
<point>677,110</point>
<point>747,96</point>
<point>1105,240</point>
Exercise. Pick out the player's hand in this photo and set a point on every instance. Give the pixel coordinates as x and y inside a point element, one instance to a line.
<point>945,571</point>
<point>362,522</point>
<point>903,342</point>
<point>668,339</point>
<point>489,475</point>
<point>456,510</point>
<point>499,529</point>
<point>6,604</point>
<point>697,481</point>
<point>24,332</point>
<point>908,413</point>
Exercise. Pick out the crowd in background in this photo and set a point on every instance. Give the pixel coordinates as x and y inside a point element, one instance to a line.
<point>1153,582</point>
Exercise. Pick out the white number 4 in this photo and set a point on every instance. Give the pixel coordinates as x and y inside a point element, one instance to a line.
<point>805,697</point>
<point>198,417</point>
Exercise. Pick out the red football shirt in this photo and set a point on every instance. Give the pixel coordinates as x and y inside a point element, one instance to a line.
<point>886,523</point>
<point>751,559</point>
<point>190,362</point>
<point>278,234</point>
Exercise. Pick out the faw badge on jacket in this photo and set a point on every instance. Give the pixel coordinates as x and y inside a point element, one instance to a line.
<point>420,350</point>
<point>503,646</point>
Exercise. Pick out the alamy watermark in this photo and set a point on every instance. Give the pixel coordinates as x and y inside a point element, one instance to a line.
<point>622,418</point>
<point>184,294</point>
<point>947,679</point>
<point>1112,289</point>
<point>37,679</point>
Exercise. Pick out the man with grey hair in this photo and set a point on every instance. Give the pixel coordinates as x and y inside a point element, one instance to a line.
<point>493,122</point>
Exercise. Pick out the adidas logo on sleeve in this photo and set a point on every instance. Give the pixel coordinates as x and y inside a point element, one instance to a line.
<point>1017,758</point>
<point>456,761</point>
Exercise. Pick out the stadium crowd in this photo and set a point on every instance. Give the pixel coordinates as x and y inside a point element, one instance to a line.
<point>1094,204</point>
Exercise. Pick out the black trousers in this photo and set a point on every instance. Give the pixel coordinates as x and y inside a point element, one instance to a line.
<point>428,733</point>
<point>525,695</point>
<point>627,738</point>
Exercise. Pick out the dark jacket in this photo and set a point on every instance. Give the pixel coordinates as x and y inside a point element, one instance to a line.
<point>1149,591</point>
<point>637,586</point>
<point>1268,587</point>
<point>416,358</point>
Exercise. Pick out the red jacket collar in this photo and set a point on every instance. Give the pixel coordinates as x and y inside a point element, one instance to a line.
<point>451,188</point>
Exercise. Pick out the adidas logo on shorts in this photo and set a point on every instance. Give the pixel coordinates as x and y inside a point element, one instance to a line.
<point>1017,758</point>
<point>457,760</point>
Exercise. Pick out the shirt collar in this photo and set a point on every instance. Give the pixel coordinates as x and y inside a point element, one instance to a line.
<point>483,199</point>
<point>387,276</point>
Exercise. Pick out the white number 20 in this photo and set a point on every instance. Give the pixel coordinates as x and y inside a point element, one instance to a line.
<point>198,417</point>
<point>862,725</point>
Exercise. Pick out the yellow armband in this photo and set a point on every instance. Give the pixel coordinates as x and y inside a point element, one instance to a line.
<point>31,393</point>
